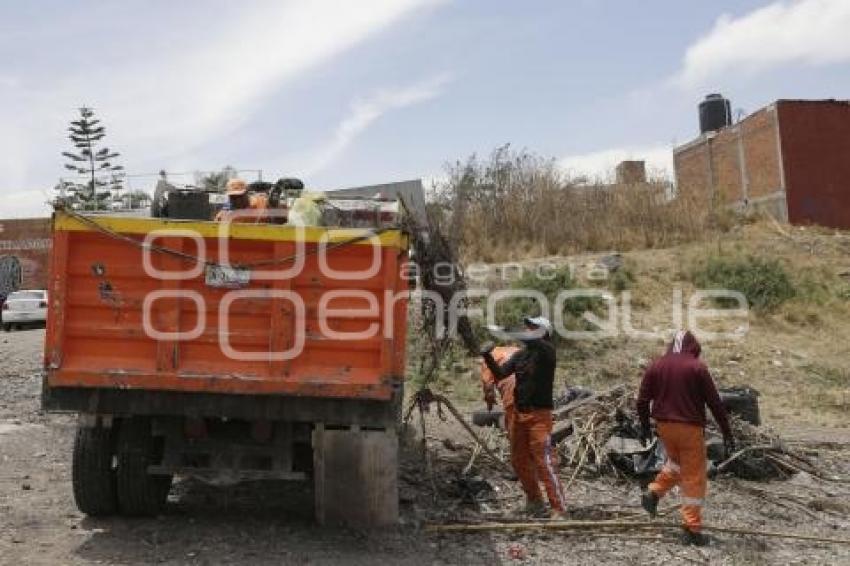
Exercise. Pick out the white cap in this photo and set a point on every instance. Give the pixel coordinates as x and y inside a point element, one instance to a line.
<point>540,322</point>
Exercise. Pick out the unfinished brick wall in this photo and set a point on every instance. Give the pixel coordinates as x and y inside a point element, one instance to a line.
<point>692,172</point>
<point>791,158</point>
<point>727,171</point>
<point>761,154</point>
<point>631,172</point>
<point>737,166</point>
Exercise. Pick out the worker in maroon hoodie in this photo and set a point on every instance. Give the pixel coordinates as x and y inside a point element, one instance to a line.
<point>678,387</point>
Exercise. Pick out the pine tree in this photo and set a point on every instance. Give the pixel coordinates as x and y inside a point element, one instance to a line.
<point>91,161</point>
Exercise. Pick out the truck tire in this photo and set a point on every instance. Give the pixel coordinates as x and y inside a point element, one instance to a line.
<point>93,477</point>
<point>139,493</point>
<point>7,327</point>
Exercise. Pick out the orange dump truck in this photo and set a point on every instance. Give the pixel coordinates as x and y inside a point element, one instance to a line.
<point>228,352</point>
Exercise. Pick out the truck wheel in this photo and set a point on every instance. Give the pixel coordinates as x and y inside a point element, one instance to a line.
<point>139,493</point>
<point>7,327</point>
<point>93,477</point>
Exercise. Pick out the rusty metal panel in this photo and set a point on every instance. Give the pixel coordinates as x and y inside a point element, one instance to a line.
<point>815,139</point>
<point>24,253</point>
<point>97,337</point>
<point>411,193</point>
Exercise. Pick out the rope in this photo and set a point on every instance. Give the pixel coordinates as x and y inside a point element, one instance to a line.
<point>118,236</point>
<point>190,257</point>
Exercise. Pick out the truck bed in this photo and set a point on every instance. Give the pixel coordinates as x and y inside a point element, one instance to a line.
<point>128,318</point>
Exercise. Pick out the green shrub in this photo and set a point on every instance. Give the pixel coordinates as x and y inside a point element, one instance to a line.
<point>764,282</point>
<point>511,311</point>
<point>816,285</point>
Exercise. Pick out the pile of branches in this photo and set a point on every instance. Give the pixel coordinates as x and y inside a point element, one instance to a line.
<point>433,253</point>
<point>600,434</point>
<point>584,428</point>
<point>762,455</point>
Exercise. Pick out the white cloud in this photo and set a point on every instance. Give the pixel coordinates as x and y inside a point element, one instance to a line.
<point>26,204</point>
<point>364,113</point>
<point>599,165</point>
<point>213,89</point>
<point>165,99</point>
<point>813,32</point>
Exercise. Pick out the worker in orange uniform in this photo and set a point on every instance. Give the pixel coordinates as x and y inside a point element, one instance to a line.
<point>252,207</point>
<point>532,455</point>
<point>506,386</point>
<point>678,387</point>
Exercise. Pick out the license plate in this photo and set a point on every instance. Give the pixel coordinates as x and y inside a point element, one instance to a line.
<point>227,277</point>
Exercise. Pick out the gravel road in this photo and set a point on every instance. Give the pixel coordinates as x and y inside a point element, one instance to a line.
<point>272,523</point>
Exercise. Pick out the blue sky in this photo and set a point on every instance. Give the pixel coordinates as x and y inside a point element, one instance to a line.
<point>348,93</point>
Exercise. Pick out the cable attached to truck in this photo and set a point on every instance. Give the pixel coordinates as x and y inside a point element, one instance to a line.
<point>88,221</point>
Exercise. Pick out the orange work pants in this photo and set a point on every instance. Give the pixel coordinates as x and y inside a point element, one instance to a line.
<point>510,417</point>
<point>506,389</point>
<point>685,467</point>
<point>533,457</point>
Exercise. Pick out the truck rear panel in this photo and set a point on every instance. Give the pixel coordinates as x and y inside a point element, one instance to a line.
<point>128,317</point>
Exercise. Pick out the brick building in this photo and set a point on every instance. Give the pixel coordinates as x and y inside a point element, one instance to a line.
<point>630,172</point>
<point>24,254</point>
<point>791,158</point>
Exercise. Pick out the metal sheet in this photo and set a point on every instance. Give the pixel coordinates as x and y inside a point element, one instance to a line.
<point>815,146</point>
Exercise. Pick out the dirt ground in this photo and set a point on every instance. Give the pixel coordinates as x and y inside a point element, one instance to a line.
<point>272,523</point>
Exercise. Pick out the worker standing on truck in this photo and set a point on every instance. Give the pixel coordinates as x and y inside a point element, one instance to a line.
<point>505,386</point>
<point>678,386</point>
<point>253,207</point>
<point>532,455</point>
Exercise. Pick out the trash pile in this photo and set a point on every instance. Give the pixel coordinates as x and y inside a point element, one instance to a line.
<point>597,433</point>
<point>600,433</point>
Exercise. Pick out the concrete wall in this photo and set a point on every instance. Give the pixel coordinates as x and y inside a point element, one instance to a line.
<point>816,149</point>
<point>24,254</point>
<point>738,166</point>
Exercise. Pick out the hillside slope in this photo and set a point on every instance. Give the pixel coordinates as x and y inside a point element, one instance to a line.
<point>795,354</point>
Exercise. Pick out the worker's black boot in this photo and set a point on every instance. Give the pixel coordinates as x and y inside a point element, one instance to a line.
<point>649,502</point>
<point>534,508</point>
<point>693,538</point>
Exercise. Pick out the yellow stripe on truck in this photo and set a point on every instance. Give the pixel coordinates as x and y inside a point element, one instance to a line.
<point>238,231</point>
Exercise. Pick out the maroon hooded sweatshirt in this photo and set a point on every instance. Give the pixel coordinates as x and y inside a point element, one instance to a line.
<point>679,387</point>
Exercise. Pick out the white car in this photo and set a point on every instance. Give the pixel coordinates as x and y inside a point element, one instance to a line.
<point>24,308</point>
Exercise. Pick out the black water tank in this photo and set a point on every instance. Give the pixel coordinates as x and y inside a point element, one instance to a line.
<point>715,112</point>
